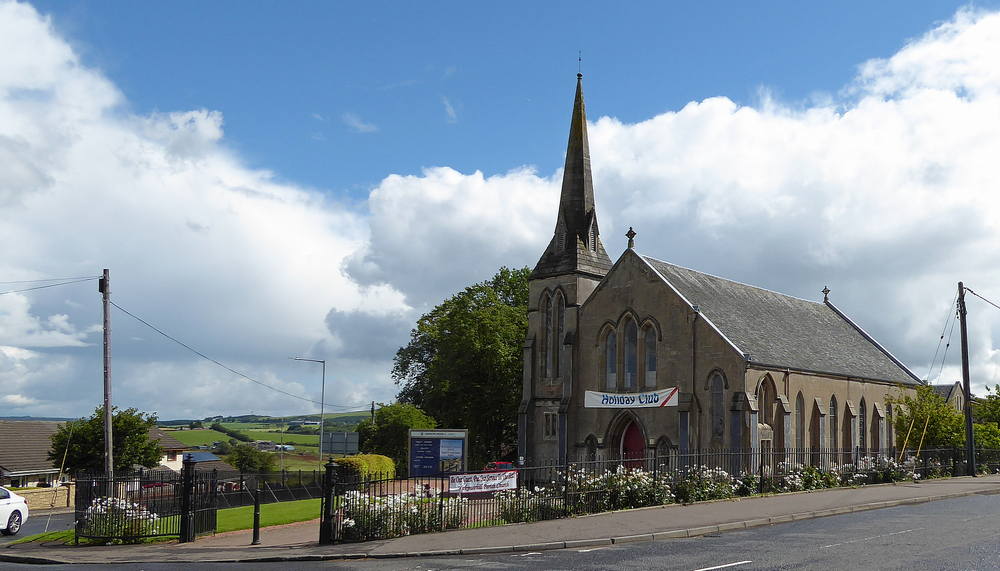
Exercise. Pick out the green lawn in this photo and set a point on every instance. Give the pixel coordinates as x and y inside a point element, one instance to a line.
<point>199,436</point>
<point>280,513</point>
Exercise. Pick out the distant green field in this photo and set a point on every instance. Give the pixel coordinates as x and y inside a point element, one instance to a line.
<point>198,437</point>
<point>289,437</point>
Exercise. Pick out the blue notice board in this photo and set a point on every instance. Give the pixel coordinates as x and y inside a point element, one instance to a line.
<point>437,452</point>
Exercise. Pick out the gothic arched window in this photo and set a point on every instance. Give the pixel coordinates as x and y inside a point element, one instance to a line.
<point>800,422</point>
<point>863,426</point>
<point>833,422</point>
<point>890,443</point>
<point>611,361</point>
<point>558,333</point>
<point>546,336</point>
<point>718,388</point>
<point>631,354</point>
<point>649,348</point>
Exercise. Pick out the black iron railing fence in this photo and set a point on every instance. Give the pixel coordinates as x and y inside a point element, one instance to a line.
<point>134,506</point>
<point>374,507</point>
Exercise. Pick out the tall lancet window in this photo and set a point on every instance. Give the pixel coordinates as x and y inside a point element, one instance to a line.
<point>546,349</point>
<point>611,361</point>
<point>649,342</point>
<point>863,429</point>
<point>800,422</point>
<point>559,331</point>
<point>833,422</point>
<point>631,354</point>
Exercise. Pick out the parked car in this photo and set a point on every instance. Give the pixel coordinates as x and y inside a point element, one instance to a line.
<point>13,512</point>
<point>498,466</point>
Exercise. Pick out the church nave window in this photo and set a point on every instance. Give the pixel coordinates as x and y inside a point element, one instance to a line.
<point>611,361</point>
<point>649,342</point>
<point>833,422</point>
<point>631,354</point>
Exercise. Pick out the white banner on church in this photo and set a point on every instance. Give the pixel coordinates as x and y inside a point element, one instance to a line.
<point>655,399</point>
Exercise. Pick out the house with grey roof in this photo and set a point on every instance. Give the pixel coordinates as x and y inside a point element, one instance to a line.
<point>953,394</point>
<point>24,452</point>
<point>636,356</point>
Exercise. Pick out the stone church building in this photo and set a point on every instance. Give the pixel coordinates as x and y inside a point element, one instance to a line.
<point>753,368</point>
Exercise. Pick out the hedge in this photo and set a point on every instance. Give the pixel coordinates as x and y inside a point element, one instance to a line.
<point>369,465</point>
<point>231,433</point>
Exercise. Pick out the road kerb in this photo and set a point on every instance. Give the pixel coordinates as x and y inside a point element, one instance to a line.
<point>481,550</point>
<point>631,538</point>
<point>588,542</point>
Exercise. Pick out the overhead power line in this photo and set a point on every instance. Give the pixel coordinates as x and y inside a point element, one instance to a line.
<point>50,280</point>
<point>982,298</point>
<point>75,281</point>
<point>223,365</point>
<point>947,318</point>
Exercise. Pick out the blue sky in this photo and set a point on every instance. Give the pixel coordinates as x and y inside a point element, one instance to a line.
<point>275,179</point>
<point>285,74</point>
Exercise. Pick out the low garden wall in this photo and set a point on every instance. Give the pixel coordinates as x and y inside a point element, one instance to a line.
<point>48,498</point>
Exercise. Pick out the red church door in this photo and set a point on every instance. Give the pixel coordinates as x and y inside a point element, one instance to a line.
<point>633,445</point>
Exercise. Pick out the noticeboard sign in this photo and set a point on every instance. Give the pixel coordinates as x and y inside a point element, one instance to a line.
<point>437,451</point>
<point>345,443</point>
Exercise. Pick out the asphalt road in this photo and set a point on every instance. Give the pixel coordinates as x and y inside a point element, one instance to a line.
<point>963,533</point>
<point>36,524</point>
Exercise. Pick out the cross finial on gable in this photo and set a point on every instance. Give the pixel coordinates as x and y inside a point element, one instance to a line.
<point>826,294</point>
<point>631,238</point>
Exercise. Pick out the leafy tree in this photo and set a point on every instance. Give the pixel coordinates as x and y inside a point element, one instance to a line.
<point>945,425</point>
<point>196,424</point>
<point>388,436</point>
<point>250,460</point>
<point>985,436</point>
<point>463,362</point>
<point>82,442</point>
<point>987,408</point>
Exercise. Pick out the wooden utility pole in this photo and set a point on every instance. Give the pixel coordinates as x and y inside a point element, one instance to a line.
<point>104,286</point>
<point>970,445</point>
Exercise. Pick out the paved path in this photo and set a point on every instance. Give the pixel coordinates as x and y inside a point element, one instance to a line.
<point>299,541</point>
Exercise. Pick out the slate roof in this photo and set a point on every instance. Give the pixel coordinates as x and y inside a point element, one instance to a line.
<point>24,445</point>
<point>944,390</point>
<point>167,442</point>
<point>781,330</point>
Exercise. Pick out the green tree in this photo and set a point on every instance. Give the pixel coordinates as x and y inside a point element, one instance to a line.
<point>987,408</point>
<point>986,436</point>
<point>82,442</point>
<point>463,364</point>
<point>945,426</point>
<point>249,459</point>
<point>388,436</point>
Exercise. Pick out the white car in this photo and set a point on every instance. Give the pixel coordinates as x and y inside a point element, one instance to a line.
<point>13,512</point>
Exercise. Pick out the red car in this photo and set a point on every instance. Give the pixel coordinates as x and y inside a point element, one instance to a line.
<point>498,467</point>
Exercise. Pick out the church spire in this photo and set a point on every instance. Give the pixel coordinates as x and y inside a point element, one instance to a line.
<point>576,243</point>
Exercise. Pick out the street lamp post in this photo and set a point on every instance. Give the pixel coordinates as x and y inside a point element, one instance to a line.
<point>322,402</point>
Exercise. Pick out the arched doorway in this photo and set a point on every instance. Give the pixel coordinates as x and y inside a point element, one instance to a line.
<point>633,444</point>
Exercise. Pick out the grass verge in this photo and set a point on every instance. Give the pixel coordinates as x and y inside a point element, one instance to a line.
<point>229,519</point>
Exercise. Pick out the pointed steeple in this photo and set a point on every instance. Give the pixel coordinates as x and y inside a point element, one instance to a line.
<point>576,243</point>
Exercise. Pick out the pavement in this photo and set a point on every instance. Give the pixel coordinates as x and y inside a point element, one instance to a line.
<point>299,542</point>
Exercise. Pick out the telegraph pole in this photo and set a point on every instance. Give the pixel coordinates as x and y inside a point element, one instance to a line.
<point>104,286</point>
<point>970,446</point>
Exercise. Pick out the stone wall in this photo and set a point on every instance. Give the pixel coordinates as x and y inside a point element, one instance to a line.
<point>44,498</point>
